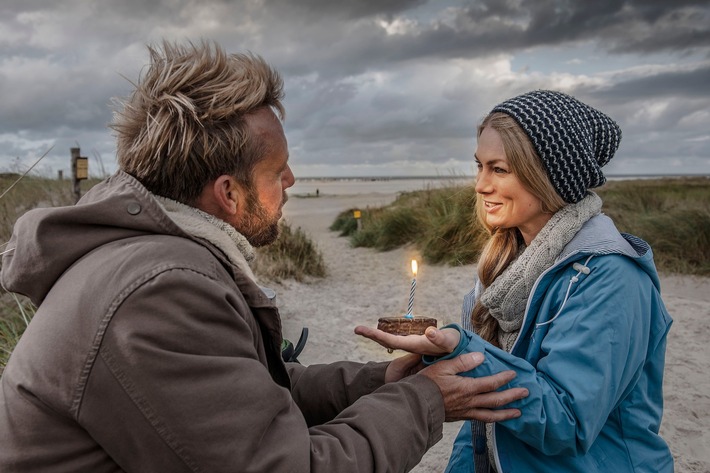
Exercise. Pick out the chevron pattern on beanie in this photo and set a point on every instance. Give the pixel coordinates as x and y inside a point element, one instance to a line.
<point>572,139</point>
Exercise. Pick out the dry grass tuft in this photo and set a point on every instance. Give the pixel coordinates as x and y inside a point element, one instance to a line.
<point>671,214</point>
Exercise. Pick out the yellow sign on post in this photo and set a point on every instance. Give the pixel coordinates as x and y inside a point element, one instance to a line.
<point>82,167</point>
<point>357,214</point>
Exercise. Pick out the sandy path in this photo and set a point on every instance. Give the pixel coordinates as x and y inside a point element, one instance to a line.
<point>364,284</point>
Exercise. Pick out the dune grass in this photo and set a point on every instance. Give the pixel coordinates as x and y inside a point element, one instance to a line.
<point>293,256</point>
<point>671,214</point>
<point>15,314</point>
<point>29,193</point>
<point>440,223</point>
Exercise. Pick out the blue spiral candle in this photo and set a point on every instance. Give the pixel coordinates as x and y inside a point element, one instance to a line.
<point>410,306</point>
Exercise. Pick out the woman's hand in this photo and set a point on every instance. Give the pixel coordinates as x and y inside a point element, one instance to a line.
<point>434,341</point>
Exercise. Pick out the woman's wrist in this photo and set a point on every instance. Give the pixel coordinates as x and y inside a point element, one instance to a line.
<point>463,342</point>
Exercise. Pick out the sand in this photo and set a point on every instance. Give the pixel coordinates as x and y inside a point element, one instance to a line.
<point>363,285</point>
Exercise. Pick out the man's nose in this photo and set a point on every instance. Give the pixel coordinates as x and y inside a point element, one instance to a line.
<point>289,178</point>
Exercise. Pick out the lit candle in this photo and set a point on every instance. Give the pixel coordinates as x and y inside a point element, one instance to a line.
<point>411,291</point>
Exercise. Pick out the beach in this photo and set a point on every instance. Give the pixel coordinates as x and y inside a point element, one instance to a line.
<point>364,284</point>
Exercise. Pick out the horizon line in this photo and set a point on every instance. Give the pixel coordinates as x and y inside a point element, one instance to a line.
<point>402,177</point>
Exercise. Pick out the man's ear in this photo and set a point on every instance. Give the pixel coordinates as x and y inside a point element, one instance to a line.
<point>230,195</point>
<point>223,197</point>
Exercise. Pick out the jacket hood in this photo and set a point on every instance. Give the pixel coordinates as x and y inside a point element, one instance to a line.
<point>47,241</point>
<point>600,236</point>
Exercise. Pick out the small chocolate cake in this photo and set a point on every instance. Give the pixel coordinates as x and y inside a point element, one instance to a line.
<point>405,325</point>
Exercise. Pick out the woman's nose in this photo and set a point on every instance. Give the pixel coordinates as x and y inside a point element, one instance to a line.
<point>482,183</point>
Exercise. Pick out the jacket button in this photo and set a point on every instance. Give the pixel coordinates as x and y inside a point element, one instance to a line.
<point>134,208</point>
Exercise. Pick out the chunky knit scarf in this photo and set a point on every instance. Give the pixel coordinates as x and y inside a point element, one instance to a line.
<point>507,297</point>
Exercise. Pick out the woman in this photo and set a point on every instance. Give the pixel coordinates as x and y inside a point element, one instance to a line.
<point>562,298</point>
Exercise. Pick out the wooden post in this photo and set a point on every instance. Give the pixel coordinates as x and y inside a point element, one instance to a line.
<point>75,152</point>
<point>60,175</point>
<point>79,170</point>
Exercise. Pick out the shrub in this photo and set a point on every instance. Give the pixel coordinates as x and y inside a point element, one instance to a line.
<point>345,223</point>
<point>387,229</point>
<point>293,255</point>
<point>672,215</point>
<point>14,317</point>
<point>451,234</point>
<point>439,222</point>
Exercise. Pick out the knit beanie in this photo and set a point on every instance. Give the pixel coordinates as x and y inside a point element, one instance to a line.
<point>573,139</point>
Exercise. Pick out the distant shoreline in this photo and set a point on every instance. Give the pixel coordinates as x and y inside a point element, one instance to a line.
<point>452,178</point>
<point>360,185</point>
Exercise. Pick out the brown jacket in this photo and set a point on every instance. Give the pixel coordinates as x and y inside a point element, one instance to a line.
<point>150,352</point>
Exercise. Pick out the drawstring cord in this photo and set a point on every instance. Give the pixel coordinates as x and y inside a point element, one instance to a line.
<point>581,269</point>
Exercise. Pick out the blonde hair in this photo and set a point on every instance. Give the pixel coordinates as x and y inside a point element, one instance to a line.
<point>184,124</point>
<point>504,244</point>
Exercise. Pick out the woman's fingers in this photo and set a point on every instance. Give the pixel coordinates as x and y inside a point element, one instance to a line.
<point>447,339</point>
<point>440,344</point>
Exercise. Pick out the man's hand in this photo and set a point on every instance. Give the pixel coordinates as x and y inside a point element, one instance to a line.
<point>403,366</point>
<point>434,342</point>
<point>473,398</point>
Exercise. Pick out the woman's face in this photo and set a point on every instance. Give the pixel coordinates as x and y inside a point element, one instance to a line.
<point>506,202</point>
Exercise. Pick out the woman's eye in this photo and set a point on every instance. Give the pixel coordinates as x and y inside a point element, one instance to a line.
<point>499,170</point>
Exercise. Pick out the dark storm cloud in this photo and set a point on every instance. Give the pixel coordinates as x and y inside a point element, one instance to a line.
<point>630,26</point>
<point>347,10</point>
<point>689,84</point>
<point>493,26</point>
<point>365,80</point>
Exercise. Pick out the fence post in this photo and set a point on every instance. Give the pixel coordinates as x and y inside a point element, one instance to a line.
<point>79,170</point>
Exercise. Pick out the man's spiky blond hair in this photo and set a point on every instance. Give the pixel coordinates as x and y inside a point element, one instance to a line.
<point>184,124</point>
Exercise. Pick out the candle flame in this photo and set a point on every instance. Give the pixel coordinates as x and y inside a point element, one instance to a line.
<point>414,267</point>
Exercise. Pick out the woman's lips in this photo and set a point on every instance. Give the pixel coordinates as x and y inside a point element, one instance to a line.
<point>490,206</point>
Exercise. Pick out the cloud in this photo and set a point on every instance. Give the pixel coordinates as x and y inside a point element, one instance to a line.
<point>345,10</point>
<point>372,86</point>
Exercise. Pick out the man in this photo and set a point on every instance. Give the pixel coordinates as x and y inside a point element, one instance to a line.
<point>153,349</point>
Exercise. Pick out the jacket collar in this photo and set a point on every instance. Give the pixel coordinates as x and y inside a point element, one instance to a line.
<point>219,233</point>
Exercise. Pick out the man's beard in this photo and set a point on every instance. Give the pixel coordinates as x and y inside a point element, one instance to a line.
<point>257,227</point>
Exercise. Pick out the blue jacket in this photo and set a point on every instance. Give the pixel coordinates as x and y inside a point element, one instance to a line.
<point>591,351</point>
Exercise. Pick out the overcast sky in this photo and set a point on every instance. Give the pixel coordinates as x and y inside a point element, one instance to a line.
<point>377,87</point>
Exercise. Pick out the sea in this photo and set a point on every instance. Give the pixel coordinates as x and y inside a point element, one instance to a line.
<point>373,185</point>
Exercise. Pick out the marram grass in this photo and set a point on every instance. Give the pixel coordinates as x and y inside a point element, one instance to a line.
<point>671,214</point>
<point>293,256</point>
<point>15,313</point>
<point>440,223</point>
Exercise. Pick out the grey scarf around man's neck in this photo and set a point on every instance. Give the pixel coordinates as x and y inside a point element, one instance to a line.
<point>506,298</point>
<point>206,226</point>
